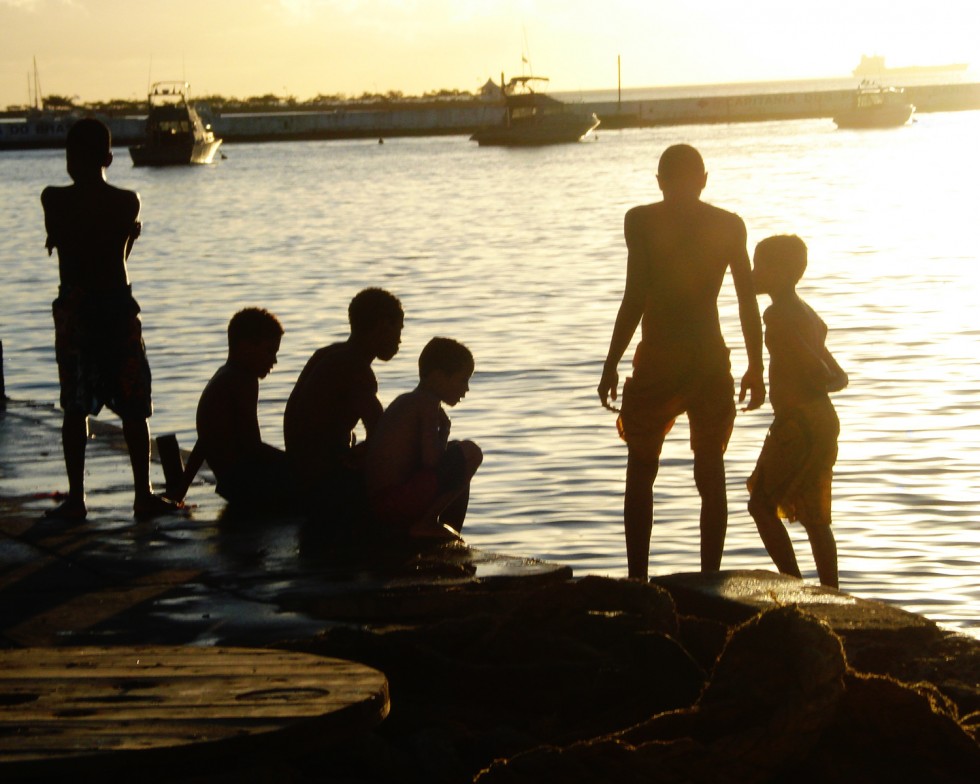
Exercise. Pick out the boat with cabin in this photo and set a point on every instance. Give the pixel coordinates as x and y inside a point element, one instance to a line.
<point>533,119</point>
<point>875,106</point>
<point>175,133</point>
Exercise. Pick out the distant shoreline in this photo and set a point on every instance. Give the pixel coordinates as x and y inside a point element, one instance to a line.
<point>632,108</point>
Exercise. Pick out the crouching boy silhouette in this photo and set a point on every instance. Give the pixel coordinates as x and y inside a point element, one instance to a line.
<point>418,481</point>
<point>248,471</point>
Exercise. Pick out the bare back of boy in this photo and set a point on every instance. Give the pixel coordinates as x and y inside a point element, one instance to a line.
<point>336,390</point>
<point>683,253</point>
<point>227,419</point>
<point>410,439</point>
<point>93,225</point>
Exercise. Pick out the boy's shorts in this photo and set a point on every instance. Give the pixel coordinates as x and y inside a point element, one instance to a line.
<point>649,411</point>
<point>796,467</point>
<point>402,506</point>
<point>101,357</point>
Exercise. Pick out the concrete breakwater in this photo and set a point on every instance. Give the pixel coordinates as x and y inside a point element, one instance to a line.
<point>355,121</point>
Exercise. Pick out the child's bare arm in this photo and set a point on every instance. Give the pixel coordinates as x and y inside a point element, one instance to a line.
<point>433,439</point>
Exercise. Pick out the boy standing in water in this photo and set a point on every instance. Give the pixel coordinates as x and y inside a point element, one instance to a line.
<point>679,251</point>
<point>792,478</point>
<point>98,335</point>
<point>417,479</point>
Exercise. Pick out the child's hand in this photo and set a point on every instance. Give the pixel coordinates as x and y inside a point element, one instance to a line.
<point>607,388</point>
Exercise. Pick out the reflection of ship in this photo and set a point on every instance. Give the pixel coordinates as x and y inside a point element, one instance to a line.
<point>175,133</point>
<point>874,66</point>
<point>533,119</point>
<point>876,107</point>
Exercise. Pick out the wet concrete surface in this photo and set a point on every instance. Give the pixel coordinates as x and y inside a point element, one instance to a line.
<point>198,578</point>
<point>208,577</point>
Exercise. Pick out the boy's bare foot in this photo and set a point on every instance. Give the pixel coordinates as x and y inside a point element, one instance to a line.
<point>155,506</point>
<point>69,509</point>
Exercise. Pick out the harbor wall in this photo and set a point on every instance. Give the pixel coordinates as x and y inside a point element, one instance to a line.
<point>458,118</point>
<point>769,106</point>
<point>356,123</point>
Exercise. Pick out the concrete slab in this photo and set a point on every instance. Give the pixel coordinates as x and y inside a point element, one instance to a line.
<point>735,596</point>
<point>200,578</point>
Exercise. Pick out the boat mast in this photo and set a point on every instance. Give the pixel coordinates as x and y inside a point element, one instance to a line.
<point>38,99</point>
<point>619,84</point>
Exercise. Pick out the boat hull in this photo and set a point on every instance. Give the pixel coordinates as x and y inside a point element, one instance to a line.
<point>174,154</point>
<point>549,129</point>
<point>893,116</point>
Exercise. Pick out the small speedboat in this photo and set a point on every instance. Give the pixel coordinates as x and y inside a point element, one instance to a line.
<point>175,133</point>
<point>875,106</point>
<point>534,119</point>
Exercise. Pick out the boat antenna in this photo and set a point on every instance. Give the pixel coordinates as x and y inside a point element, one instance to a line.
<point>525,53</point>
<point>37,89</point>
<point>149,75</point>
<point>619,83</point>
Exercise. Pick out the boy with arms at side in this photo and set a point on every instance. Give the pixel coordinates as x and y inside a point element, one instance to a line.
<point>418,480</point>
<point>792,478</point>
<point>98,334</point>
<point>679,251</point>
<point>249,472</point>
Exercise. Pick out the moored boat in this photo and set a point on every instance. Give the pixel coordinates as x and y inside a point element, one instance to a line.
<point>533,119</point>
<point>175,133</point>
<point>875,106</point>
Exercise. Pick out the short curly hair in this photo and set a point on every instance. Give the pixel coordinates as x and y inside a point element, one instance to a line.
<point>785,250</point>
<point>253,325</point>
<point>373,306</point>
<point>445,354</point>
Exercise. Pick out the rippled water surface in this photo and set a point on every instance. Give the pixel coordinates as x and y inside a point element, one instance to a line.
<point>519,254</point>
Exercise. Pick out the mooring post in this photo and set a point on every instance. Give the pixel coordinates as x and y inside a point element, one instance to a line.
<point>173,465</point>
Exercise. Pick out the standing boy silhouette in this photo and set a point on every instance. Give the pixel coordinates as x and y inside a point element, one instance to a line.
<point>98,335</point>
<point>792,478</point>
<point>679,251</point>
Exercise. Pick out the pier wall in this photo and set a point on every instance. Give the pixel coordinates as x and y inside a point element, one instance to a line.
<point>465,117</point>
<point>769,106</point>
<point>356,123</point>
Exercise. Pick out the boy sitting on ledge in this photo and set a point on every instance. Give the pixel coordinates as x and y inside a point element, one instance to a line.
<point>418,480</point>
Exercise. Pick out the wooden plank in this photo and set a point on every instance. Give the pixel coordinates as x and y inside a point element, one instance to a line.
<point>64,704</point>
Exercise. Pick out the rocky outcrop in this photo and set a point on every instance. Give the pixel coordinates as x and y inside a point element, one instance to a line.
<point>592,681</point>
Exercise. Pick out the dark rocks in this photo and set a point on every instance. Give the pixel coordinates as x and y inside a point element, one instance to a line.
<point>781,705</point>
<point>593,681</point>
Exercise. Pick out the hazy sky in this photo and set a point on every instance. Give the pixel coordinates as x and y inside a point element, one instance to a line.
<point>98,49</point>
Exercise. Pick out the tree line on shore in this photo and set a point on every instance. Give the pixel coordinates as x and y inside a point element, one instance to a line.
<point>269,102</point>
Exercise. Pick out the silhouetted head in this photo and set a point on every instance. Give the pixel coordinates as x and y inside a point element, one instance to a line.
<point>377,316</point>
<point>778,263</point>
<point>681,173</point>
<point>254,336</point>
<point>445,367</point>
<point>253,324</point>
<point>88,146</point>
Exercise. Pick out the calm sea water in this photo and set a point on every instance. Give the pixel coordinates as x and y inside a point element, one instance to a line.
<point>519,253</point>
